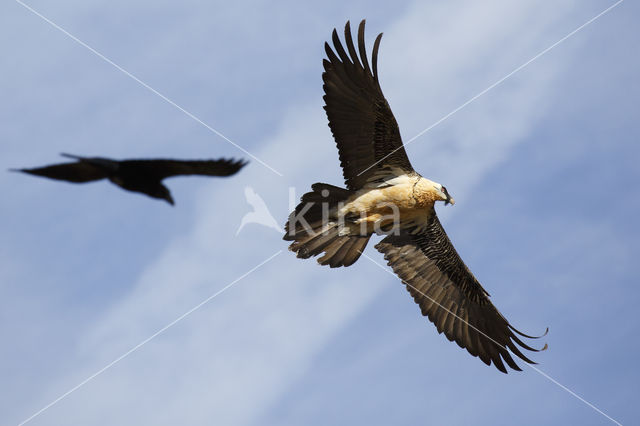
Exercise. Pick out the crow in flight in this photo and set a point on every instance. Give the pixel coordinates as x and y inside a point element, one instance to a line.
<point>386,195</point>
<point>140,175</point>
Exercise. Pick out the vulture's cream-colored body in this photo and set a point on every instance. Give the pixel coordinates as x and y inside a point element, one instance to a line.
<point>407,200</point>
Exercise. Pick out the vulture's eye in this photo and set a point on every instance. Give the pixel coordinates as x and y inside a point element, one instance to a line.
<point>445,190</point>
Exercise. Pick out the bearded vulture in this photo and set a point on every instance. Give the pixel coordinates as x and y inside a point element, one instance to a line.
<point>386,195</point>
<point>144,176</point>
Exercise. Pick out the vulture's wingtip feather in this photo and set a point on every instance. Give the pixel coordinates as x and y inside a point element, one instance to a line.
<point>526,335</point>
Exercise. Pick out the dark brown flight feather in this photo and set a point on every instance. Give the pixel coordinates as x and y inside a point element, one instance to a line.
<point>451,296</point>
<point>359,116</point>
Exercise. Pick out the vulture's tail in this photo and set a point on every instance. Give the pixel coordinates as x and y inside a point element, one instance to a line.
<point>315,228</point>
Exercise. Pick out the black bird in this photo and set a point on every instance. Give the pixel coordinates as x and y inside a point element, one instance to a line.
<point>139,175</point>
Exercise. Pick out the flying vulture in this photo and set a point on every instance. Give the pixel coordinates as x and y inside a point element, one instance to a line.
<point>143,175</point>
<point>385,195</point>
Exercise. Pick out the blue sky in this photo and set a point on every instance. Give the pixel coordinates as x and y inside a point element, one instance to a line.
<point>543,168</point>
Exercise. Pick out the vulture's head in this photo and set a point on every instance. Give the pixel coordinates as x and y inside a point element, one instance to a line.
<point>430,191</point>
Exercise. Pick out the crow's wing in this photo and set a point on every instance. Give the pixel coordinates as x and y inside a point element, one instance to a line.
<point>360,118</point>
<point>450,296</point>
<point>164,168</point>
<point>78,172</point>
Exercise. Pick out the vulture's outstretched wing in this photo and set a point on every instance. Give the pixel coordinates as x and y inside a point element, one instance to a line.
<point>161,168</point>
<point>78,172</point>
<point>450,296</point>
<point>360,118</point>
